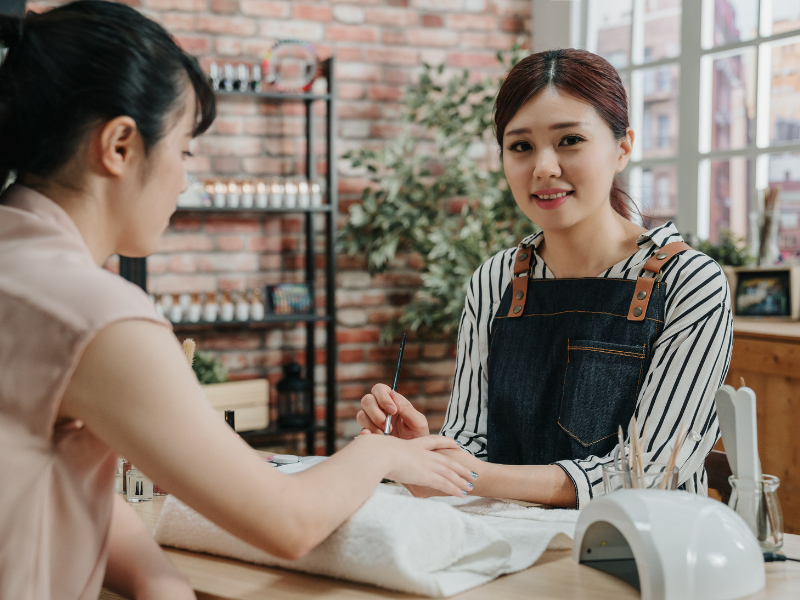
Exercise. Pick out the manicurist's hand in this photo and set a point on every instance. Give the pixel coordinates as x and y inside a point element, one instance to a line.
<point>421,463</point>
<point>407,422</point>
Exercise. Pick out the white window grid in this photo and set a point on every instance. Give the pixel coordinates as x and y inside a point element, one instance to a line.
<point>694,155</point>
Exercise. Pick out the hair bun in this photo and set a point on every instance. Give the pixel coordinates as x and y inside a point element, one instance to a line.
<point>10,30</point>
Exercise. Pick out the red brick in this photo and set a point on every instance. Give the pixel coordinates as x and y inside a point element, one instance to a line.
<point>228,262</point>
<point>187,5</point>
<point>231,342</point>
<point>228,46</point>
<point>264,244</point>
<point>475,22</point>
<point>441,368</point>
<point>352,392</point>
<point>384,92</point>
<point>395,17</point>
<point>348,14</point>
<point>265,166</point>
<point>393,56</point>
<point>228,7</point>
<point>441,38</point>
<point>396,280</point>
<point>311,12</point>
<point>393,37</point>
<point>351,33</point>
<point>435,350</point>
<point>348,410</point>
<point>438,4</point>
<point>178,223</point>
<point>349,53</point>
<point>178,284</point>
<point>301,30</point>
<point>439,386</point>
<point>358,298</point>
<point>229,243</point>
<point>382,316</point>
<point>265,8</point>
<point>360,372</point>
<point>389,353</point>
<point>351,356</point>
<point>228,125</point>
<point>385,130</point>
<point>229,146</point>
<point>357,336</point>
<point>231,283</point>
<point>271,262</point>
<point>472,60</point>
<point>350,91</point>
<point>172,242</point>
<point>193,44</point>
<point>512,25</point>
<point>358,71</point>
<point>177,22</point>
<point>226,25</point>
<point>182,263</point>
<point>227,165</point>
<point>432,21</point>
<point>227,225</point>
<point>362,110</point>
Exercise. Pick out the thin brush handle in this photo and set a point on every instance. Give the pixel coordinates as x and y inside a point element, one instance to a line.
<point>388,425</point>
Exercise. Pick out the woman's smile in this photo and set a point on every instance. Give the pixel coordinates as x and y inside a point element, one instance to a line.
<point>551,198</point>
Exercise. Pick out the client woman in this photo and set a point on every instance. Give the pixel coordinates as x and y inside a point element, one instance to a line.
<point>97,109</point>
<point>586,323</point>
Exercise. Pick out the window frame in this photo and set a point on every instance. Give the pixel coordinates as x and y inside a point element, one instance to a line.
<point>693,155</point>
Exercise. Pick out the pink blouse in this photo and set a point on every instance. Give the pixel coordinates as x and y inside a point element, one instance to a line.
<point>57,481</point>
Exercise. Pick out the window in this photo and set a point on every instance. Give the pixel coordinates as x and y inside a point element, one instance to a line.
<point>714,90</point>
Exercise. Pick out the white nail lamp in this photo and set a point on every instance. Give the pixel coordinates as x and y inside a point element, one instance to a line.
<point>670,545</point>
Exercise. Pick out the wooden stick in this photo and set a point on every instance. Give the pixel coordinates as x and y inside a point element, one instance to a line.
<point>741,382</point>
<point>679,439</point>
<point>635,458</point>
<point>188,350</point>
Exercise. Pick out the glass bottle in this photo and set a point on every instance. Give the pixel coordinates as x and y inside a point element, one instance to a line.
<point>226,308</point>
<point>210,308</point>
<point>242,307</point>
<point>139,487</point>
<point>257,306</point>
<point>769,517</point>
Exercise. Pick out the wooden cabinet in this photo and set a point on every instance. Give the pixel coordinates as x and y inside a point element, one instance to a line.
<point>767,355</point>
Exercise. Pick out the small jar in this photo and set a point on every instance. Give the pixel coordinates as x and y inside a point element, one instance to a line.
<point>316,194</point>
<point>139,487</point>
<point>242,308</point>
<point>210,308</point>
<point>158,305</point>
<point>276,195</point>
<point>760,497</point>
<point>248,190</point>
<point>233,195</point>
<point>290,195</point>
<point>176,310</point>
<point>303,195</point>
<point>257,306</point>
<point>220,191</point>
<point>195,309</point>
<point>226,308</point>
<point>261,194</point>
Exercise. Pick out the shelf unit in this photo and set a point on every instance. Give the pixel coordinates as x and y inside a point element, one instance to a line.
<point>135,269</point>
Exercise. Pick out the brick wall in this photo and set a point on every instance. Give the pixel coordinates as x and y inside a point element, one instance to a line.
<point>379,46</point>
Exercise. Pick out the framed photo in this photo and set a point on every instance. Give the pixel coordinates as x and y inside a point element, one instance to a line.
<point>289,299</point>
<point>766,293</point>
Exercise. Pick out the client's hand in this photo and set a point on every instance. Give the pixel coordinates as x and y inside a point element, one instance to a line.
<point>407,422</point>
<point>416,464</point>
<point>464,458</point>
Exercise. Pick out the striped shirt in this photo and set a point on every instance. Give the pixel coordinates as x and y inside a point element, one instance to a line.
<point>690,359</point>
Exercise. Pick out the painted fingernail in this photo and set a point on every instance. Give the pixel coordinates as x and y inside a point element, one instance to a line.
<point>474,474</point>
<point>471,485</point>
<point>463,492</point>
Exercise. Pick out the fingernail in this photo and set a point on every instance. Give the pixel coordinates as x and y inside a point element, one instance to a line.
<point>474,474</point>
<point>463,492</point>
<point>471,485</point>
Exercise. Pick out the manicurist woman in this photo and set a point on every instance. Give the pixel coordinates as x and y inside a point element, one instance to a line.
<point>588,322</point>
<point>97,109</point>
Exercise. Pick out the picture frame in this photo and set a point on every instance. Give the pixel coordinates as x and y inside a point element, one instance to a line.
<point>768,293</point>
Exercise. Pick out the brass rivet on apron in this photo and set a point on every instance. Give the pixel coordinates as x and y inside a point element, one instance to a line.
<point>520,295</point>
<point>523,256</point>
<point>519,308</point>
<point>661,255</point>
<point>637,312</point>
<point>641,295</point>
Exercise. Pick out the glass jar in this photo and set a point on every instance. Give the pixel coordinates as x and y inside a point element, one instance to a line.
<point>295,399</point>
<point>769,517</point>
<point>139,487</point>
<point>653,476</point>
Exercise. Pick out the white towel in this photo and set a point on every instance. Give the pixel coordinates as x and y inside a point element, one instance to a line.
<point>436,547</point>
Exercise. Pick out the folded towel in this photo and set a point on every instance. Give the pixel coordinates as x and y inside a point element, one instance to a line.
<point>435,547</point>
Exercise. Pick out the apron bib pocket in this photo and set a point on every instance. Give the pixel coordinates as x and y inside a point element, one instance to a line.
<point>601,384</point>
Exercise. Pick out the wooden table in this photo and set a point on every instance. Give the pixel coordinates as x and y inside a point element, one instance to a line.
<point>553,577</point>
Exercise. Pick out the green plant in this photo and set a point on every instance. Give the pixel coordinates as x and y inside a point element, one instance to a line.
<point>437,162</point>
<point>208,368</point>
<point>730,251</point>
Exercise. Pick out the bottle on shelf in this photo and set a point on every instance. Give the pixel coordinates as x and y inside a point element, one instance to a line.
<point>290,194</point>
<point>276,194</point>
<point>213,76</point>
<point>157,304</point>
<point>226,308</point>
<point>176,310</point>
<point>233,194</point>
<point>185,300</point>
<point>139,487</point>
<point>303,195</point>
<point>247,194</point>
<point>227,81</point>
<point>220,191</point>
<point>316,194</point>
<point>257,305</point>
<point>242,82</point>
<point>210,308</point>
<point>255,84</point>
<point>261,194</point>
<point>195,309</point>
<point>242,307</point>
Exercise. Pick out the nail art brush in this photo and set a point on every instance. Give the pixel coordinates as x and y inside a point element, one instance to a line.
<point>394,383</point>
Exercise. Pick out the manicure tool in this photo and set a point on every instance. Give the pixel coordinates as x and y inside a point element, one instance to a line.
<point>394,383</point>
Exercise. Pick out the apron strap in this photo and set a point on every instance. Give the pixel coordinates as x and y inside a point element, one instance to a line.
<point>522,262</point>
<point>644,285</point>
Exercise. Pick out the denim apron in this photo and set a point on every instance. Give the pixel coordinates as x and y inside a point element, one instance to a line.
<point>567,358</point>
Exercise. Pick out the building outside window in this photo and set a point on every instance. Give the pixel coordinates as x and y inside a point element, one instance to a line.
<point>715,100</point>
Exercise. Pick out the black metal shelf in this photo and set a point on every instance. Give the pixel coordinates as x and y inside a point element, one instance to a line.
<point>249,212</point>
<point>279,96</point>
<point>187,326</point>
<point>135,269</point>
<point>261,437</point>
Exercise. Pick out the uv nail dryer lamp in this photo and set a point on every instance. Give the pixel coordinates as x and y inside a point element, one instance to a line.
<point>670,545</point>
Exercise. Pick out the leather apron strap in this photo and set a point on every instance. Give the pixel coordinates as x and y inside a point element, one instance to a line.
<point>644,285</point>
<point>522,265</point>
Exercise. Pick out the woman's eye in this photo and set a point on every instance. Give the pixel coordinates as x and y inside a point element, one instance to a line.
<point>519,147</point>
<point>187,154</point>
<point>571,140</point>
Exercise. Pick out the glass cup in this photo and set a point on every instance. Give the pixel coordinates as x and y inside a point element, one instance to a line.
<point>654,474</point>
<point>769,519</point>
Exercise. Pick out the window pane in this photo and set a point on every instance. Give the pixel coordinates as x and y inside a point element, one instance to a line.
<point>658,194</point>
<point>729,197</point>
<point>660,111</point>
<point>733,99</point>
<point>784,169</point>
<point>610,25</point>
<point>784,119</point>
<point>735,21</point>
<point>662,29</point>
<point>785,15</point>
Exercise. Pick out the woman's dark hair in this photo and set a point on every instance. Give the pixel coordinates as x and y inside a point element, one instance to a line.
<point>82,64</point>
<point>579,73</point>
